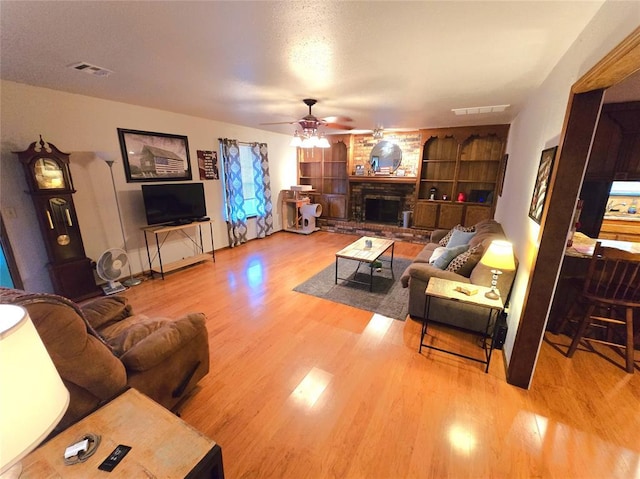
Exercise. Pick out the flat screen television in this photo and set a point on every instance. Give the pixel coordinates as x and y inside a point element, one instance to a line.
<point>176,203</point>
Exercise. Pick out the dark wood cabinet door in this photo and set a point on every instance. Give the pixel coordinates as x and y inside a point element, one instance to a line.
<point>425,214</point>
<point>336,206</point>
<point>475,214</point>
<point>450,215</point>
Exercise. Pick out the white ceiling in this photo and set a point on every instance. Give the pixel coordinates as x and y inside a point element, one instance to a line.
<point>384,64</point>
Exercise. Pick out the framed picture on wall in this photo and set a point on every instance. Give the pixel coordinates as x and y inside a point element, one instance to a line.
<point>151,156</point>
<point>539,198</point>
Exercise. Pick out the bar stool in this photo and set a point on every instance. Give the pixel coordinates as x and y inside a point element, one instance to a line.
<point>611,293</point>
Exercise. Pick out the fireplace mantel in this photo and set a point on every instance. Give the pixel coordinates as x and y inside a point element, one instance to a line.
<point>383,179</point>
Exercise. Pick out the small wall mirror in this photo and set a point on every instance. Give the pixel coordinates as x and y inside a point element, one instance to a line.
<point>385,155</point>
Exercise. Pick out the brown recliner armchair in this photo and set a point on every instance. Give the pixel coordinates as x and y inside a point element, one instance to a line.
<point>101,348</point>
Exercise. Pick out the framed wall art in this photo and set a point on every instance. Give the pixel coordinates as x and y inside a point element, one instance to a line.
<point>539,198</point>
<point>208,164</point>
<point>151,156</point>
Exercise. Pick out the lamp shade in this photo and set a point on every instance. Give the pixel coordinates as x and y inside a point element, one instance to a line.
<point>296,140</point>
<point>499,256</point>
<point>33,398</point>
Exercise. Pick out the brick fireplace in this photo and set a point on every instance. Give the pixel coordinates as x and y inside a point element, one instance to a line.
<point>380,202</point>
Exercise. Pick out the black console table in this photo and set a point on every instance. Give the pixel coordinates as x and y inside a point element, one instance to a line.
<point>164,231</point>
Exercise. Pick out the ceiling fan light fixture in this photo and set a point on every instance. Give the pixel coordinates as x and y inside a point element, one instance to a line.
<point>296,141</point>
<point>308,143</point>
<point>323,142</point>
<point>309,138</point>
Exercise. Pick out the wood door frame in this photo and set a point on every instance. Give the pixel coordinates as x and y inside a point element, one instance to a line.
<point>577,133</point>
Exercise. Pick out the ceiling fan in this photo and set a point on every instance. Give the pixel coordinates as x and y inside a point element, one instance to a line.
<point>310,122</point>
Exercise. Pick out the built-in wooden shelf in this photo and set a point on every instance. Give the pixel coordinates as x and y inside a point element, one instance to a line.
<point>383,179</point>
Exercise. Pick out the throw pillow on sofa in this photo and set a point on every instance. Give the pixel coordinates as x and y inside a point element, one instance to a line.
<point>439,251</point>
<point>443,261</point>
<point>459,238</point>
<point>464,263</point>
<point>447,237</point>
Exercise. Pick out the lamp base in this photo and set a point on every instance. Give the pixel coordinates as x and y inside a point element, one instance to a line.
<point>491,294</point>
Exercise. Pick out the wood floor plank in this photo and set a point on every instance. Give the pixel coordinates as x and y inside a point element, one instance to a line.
<point>382,409</point>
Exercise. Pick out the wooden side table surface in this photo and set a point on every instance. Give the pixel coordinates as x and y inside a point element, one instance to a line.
<point>162,445</point>
<point>446,289</point>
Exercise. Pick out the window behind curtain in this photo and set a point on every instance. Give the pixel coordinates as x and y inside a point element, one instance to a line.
<point>248,186</point>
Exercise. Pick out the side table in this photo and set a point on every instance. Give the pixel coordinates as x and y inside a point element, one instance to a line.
<point>445,289</point>
<point>166,230</point>
<point>162,445</point>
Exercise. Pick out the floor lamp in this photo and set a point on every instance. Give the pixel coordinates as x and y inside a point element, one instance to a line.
<point>131,281</point>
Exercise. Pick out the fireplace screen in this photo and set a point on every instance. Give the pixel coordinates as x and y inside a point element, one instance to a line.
<point>382,210</point>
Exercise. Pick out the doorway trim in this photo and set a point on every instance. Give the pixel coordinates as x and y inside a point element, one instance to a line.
<point>576,136</point>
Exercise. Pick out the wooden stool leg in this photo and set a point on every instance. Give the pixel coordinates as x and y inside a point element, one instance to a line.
<point>630,350</point>
<point>581,329</point>
<point>565,319</point>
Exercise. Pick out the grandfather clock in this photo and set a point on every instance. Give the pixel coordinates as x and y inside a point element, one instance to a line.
<point>50,186</point>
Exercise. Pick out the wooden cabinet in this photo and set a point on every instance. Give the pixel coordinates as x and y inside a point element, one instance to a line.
<point>325,170</point>
<point>450,214</point>
<point>438,169</point>
<point>425,214</point>
<point>475,214</point>
<point>621,230</point>
<point>467,161</point>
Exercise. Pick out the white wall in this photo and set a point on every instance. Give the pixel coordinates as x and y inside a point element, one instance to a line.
<point>537,127</point>
<point>86,128</point>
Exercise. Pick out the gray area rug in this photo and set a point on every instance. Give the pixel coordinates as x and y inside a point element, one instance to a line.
<point>388,298</point>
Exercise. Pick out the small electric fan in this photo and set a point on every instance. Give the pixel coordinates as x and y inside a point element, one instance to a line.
<point>110,267</point>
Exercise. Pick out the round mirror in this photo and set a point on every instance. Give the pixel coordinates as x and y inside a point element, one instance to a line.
<point>385,155</point>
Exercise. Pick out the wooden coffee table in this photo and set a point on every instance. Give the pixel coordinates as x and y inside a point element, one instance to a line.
<point>362,253</point>
<point>162,445</point>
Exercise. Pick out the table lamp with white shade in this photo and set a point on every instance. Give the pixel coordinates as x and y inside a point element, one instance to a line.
<point>498,257</point>
<point>33,398</point>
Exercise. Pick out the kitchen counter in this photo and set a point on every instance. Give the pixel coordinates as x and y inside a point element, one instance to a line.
<point>622,216</point>
<point>622,228</point>
<point>583,246</point>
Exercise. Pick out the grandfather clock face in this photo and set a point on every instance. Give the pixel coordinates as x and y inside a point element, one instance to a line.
<point>48,174</point>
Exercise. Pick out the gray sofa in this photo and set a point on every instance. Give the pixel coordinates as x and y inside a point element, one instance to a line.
<point>467,269</point>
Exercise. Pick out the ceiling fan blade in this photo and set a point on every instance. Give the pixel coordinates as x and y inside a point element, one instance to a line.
<point>280,123</point>
<point>338,126</point>
<point>336,119</point>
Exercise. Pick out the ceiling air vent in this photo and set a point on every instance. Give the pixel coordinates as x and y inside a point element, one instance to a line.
<point>91,69</point>
<point>480,109</point>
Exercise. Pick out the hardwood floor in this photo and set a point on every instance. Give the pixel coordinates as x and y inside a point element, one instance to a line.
<point>304,388</point>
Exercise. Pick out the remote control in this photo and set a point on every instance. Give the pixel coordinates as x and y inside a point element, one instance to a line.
<point>114,458</point>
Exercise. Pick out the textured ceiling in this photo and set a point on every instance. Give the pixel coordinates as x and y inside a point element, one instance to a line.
<point>384,64</point>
